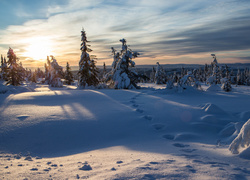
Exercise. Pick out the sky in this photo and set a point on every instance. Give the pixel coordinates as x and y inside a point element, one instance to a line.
<point>165,31</point>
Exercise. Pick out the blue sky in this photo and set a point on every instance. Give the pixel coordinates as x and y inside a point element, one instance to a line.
<point>167,31</point>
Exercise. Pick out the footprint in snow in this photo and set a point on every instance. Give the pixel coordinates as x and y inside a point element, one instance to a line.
<point>147,117</point>
<point>132,101</point>
<point>237,177</point>
<point>152,162</point>
<point>189,156</point>
<point>170,161</point>
<point>180,145</point>
<point>86,167</point>
<point>135,105</point>
<point>212,163</point>
<point>168,136</point>
<point>244,170</point>
<point>158,126</point>
<point>22,117</point>
<point>34,169</point>
<point>188,150</point>
<point>190,168</point>
<point>48,169</point>
<point>139,110</point>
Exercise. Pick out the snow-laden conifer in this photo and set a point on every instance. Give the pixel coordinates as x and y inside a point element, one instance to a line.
<point>152,75</point>
<point>53,72</point>
<point>123,74</point>
<point>68,75</point>
<point>14,73</point>
<point>4,69</point>
<point>160,75</point>
<point>87,69</point>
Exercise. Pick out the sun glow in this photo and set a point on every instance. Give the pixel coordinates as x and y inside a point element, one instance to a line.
<point>38,49</point>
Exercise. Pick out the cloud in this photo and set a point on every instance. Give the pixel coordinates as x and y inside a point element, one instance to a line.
<point>159,29</point>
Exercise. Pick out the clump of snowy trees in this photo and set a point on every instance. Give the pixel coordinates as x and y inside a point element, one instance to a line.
<point>123,74</point>
<point>213,75</point>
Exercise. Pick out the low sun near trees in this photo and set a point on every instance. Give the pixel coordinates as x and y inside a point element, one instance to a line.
<point>123,74</point>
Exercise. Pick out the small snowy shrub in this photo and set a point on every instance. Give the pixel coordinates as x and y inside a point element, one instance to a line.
<point>170,84</point>
<point>57,82</point>
<point>226,85</point>
<point>242,140</point>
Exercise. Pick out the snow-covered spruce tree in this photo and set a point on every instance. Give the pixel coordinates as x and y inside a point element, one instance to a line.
<point>239,77</point>
<point>246,77</point>
<point>214,75</point>
<point>33,77</point>
<point>216,69</point>
<point>4,69</point>
<point>160,75</point>
<point>68,75</point>
<point>53,73</point>
<point>123,76</point>
<point>152,75</point>
<point>1,75</point>
<point>47,68</point>
<point>14,73</point>
<point>87,70</point>
<point>104,72</point>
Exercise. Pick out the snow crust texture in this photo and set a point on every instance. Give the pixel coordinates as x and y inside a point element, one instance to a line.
<point>147,133</point>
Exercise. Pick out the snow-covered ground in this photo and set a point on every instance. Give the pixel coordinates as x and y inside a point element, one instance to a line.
<point>150,133</point>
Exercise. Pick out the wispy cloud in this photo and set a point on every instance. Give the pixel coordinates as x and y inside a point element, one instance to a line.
<point>164,30</point>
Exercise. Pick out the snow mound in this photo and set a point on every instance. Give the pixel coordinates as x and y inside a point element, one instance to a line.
<point>206,127</point>
<point>158,126</point>
<point>213,109</point>
<point>245,115</point>
<point>185,136</point>
<point>242,140</point>
<point>228,130</point>
<point>213,87</point>
<point>14,89</point>
<point>214,120</point>
<point>3,89</point>
<point>245,154</point>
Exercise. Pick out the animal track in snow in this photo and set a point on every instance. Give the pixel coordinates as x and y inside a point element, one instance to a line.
<point>147,117</point>
<point>180,145</point>
<point>139,110</point>
<point>158,126</point>
<point>168,136</point>
<point>22,117</point>
<point>188,150</point>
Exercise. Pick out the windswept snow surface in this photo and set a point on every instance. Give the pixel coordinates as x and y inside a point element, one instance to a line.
<point>151,133</point>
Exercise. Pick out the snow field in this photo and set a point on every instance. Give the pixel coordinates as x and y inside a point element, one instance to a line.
<point>122,134</point>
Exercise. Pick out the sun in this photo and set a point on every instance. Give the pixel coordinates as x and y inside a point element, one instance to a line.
<point>38,49</point>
